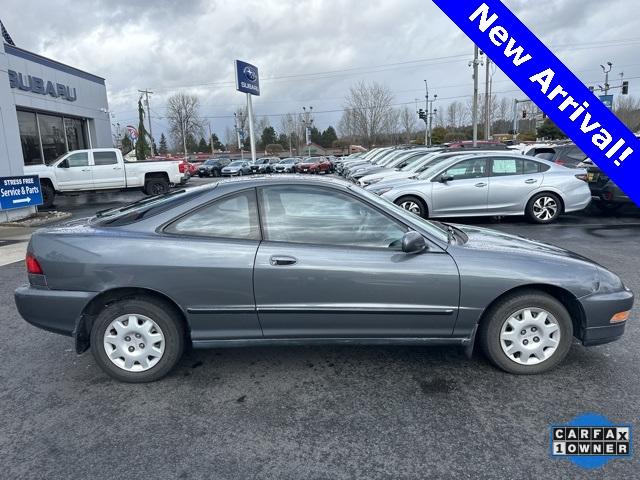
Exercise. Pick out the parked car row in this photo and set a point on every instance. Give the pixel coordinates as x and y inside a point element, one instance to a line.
<point>225,167</point>
<point>462,182</point>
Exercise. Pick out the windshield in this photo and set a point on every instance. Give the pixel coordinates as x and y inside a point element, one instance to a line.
<point>288,160</point>
<point>210,162</point>
<point>433,166</point>
<point>435,230</point>
<point>414,165</point>
<point>237,163</point>
<point>51,162</point>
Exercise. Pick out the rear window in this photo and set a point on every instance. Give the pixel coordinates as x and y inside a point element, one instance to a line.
<point>146,207</point>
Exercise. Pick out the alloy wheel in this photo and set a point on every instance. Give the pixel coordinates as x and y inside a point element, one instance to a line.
<point>134,343</point>
<point>411,206</point>
<point>530,336</point>
<point>545,208</point>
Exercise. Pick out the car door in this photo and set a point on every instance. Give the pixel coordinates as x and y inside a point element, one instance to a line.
<point>74,172</point>
<point>209,255</point>
<point>330,265</point>
<point>511,183</point>
<point>465,191</point>
<point>106,171</point>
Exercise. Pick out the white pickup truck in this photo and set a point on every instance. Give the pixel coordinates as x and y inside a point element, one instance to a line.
<point>104,169</point>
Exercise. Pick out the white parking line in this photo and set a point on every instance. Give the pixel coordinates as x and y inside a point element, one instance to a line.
<point>13,253</point>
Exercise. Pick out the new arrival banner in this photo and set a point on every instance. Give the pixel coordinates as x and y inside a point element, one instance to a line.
<point>552,87</point>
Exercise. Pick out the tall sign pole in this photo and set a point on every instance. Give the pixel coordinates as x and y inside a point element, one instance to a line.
<point>247,81</point>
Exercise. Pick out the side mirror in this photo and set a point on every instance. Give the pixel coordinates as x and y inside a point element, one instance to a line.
<point>445,178</point>
<point>413,242</point>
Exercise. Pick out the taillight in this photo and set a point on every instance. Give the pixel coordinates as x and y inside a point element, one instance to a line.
<point>181,167</point>
<point>32,265</point>
<point>583,177</point>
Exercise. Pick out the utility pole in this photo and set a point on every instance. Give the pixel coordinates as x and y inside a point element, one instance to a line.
<point>239,133</point>
<point>426,109</point>
<point>606,76</point>
<point>308,123</point>
<point>210,137</point>
<point>474,114</point>
<point>146,102</point>
<point>487,102</point>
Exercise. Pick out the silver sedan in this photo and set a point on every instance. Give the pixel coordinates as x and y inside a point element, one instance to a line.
<point>498,184</point>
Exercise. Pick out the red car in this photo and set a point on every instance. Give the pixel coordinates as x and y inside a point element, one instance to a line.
<point>314,165</point>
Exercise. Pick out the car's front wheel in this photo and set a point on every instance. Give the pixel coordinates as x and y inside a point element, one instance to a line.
<point>137,340</point>
<point>413,204</point>
<point>526,333</point>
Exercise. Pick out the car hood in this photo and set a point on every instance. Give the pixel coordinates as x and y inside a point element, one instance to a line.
<point>494,240</point>
<point>231,169</point>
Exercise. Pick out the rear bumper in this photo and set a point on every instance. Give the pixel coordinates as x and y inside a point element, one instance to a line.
<point>577,199</point>
<point>599,308</point>
<point>57,311</point>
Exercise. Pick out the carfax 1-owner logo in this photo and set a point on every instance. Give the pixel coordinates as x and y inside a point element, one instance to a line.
<point>590,440</point>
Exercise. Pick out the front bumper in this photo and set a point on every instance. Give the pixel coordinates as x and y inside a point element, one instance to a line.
<point>599,308</point>
<point>57,311</point>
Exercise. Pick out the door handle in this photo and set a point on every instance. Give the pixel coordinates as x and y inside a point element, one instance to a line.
<point>481,184</point>
<point>85,170</point>
<point>531,180</point>
<point>117,168</point>
<point>279,261</point>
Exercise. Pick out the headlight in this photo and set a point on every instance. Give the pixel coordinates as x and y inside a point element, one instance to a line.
<point>380,191</point>
<point>371,181</point>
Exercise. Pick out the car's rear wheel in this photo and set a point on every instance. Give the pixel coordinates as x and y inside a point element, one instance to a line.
<point>544,207</point>
<point>156,186</point>
<point>48,194</point>
<point>526,333</point>
<point>137,340</point>
<point>413,204</point>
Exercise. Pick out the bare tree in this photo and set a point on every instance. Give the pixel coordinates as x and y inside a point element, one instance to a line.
<point>407,121</point>
<point>627,109</point>
<point>184,119</point>
<point>368,107</point>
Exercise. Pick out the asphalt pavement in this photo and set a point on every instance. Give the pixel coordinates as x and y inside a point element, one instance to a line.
<point>314,412</point>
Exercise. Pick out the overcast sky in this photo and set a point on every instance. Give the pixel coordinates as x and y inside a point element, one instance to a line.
<point>308,52</point>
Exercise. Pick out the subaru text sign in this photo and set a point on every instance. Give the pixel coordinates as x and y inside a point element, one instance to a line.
<point>247,80</point>
<point>18,192</point>
<point>552,87</point>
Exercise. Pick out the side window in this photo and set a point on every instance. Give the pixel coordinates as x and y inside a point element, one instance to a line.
<point>531,167</point>
<point>315,215</point>
<point>105,158</point>
<point>501,167</point>
<point>80,159</point>
<point>234,217</point>
<point>472,168</point>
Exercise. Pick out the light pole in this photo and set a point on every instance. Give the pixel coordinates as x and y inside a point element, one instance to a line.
<point>474,113</point>
<point>606,71</point>
<point>239,132</point>
<point>308,123</point>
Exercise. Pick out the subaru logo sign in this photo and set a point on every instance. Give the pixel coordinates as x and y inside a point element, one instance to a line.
<point>250,73</point>
<point>247,79</point>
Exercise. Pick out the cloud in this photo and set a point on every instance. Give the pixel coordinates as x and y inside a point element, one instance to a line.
<point>169,46</point>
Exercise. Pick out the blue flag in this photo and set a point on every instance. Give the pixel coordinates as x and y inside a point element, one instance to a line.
<point>552,87</point>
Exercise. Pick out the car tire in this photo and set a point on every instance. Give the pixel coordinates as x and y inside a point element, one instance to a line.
<point>48,195</point>
<point>154,320</point>
<point>156,186</point>
<point>526,323</point>
<point>414,205</point>
<point>544,207</point>
<point>215,173</point>
<point>200,175</point>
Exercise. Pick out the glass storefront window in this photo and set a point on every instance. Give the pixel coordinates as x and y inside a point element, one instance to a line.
<point>52,137</point>
<point>55,136</point>
<point>29,138</point>
<point>74,129</point>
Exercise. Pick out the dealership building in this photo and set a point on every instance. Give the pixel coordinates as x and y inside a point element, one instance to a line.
<point>46,109</point>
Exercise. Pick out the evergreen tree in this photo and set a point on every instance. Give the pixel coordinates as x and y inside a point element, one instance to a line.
<point>217,145</point>
<point>550,130</point>
<point>268,137</point>
<point>126,145</point>
<point>163,145</point>
<point>142,146</point>
<point>316,136</point>
<point>328,137</point>
<point>192,143</point>
<point>203,146</point>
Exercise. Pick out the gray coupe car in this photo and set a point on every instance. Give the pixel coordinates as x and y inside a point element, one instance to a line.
<point>208,266</point>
